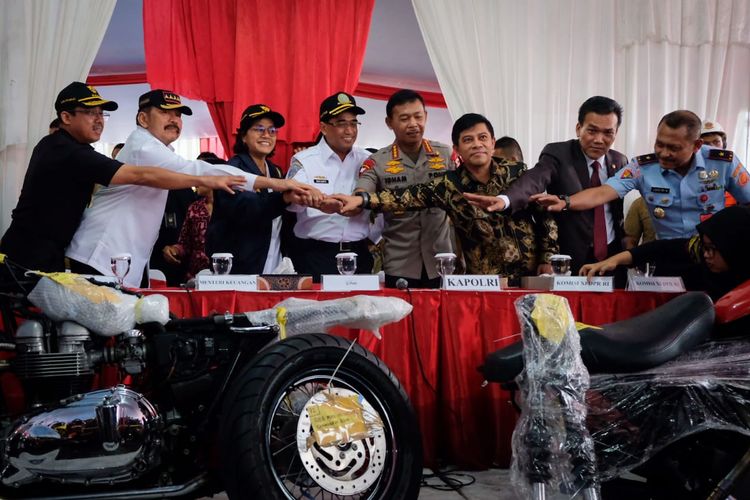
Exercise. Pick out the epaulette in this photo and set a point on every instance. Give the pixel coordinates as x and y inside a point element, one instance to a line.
<point>720,154</point>
<point>646,159</point>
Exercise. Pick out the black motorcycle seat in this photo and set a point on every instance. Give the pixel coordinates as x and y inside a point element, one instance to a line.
<point>631,345</point>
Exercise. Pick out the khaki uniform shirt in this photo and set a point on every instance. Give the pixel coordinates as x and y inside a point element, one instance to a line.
<point>492,242</point>
<point>411,238</point>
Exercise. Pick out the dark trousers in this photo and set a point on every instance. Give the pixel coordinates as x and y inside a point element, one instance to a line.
<point>317,257</point>
<point>423,281</point>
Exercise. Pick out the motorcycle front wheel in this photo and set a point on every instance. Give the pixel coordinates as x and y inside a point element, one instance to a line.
<point>266,425</point>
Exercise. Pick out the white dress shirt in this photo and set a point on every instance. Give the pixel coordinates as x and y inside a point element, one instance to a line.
<point>126,218</point>
<point>321,167</point>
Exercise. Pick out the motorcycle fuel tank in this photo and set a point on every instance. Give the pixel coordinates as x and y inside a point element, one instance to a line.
<point>105,436</point>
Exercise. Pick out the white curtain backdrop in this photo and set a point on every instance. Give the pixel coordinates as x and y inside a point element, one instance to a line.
<point>44,45</point>
<point>529,65</point>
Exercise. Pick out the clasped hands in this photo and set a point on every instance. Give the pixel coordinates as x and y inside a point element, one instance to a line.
<point>303,194</point>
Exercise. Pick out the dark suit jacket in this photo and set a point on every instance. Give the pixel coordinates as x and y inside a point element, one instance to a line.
<point>241,223</point>
<point>562,170</point>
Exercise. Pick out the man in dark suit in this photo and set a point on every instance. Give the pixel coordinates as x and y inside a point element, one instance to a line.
<point>565,168</point>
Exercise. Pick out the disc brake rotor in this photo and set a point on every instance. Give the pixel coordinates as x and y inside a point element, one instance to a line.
<point>347,469</point>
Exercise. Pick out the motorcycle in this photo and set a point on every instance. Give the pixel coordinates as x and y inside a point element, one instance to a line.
<point>193,407</point>
<point>649,407</point>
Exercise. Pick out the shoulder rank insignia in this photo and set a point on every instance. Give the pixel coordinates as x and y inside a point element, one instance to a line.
<point>720,154</point>
<point>395,169</point>
<point>368,164</point>
<point>646,159</point>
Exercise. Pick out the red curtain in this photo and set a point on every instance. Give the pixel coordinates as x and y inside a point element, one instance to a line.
<point>288,54</point>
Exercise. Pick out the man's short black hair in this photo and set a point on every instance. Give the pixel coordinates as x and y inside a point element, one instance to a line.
<point>402,97</point>
<point>467,121</point>
<point>55,123</point>
<point>601,106</point>
<point>510,145</point>
<point>210,157</point>
<point>683,118</point>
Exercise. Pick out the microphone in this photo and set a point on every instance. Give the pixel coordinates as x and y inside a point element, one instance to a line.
<point>402,284</point>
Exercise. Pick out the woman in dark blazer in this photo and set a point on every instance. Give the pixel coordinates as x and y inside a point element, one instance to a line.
<point>248,224</point>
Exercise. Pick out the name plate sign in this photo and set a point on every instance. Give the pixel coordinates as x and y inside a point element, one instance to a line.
<point>240,282</point>
<point>346,283</point>
<point>473,282</point>
<point>582,284</point>
<point>671,284</point>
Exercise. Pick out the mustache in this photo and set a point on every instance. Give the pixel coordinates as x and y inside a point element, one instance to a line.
<point>167,127</point>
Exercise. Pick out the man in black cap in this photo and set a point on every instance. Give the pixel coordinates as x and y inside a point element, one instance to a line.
<point>61,176</point>
<point>332,166</point>
<point>127,219</point>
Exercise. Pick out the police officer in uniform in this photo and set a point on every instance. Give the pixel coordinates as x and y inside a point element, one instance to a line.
<point>411,238</point>
<point>332,166</point>
<point>682,182</point>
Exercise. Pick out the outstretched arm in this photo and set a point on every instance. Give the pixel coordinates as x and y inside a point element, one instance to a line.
<point>582,200</point>
<point>167,179</point>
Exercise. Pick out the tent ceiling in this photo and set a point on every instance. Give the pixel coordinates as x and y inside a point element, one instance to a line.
<point>396,55</point>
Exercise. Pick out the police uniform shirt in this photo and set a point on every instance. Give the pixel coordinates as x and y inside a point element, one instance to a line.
<point>321,167</point>
<point>411,238</point>
<point>58,185</point>
<point>678,203</point>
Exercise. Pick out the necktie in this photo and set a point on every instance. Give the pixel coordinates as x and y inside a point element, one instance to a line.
<point>600,226</point>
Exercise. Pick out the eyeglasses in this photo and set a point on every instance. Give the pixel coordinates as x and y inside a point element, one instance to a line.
<point>343,124</point>
<point>260,130</point>
<point>91,113</point>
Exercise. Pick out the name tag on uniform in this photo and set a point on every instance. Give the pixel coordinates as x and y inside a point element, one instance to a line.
<point>346,283</point>
<point>320,180</point>
<point>473,282</point>
<point>240,282</point>
<point>669,284</point>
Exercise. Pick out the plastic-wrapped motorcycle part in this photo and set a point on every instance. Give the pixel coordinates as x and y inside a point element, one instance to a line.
<point>552,449</point>
<point>101,309</point>
<point>314,316</point>
<point>632,416</point>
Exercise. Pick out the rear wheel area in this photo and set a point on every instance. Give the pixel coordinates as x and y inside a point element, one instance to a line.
<point>266,431</point>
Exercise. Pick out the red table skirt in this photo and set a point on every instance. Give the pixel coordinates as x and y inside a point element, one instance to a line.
<point>435,353</point>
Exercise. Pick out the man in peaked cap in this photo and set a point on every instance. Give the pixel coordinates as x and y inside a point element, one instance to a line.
<point>332,165</point>
<point>713,135</point>
<point>138,210</point>
<point>61,175</point>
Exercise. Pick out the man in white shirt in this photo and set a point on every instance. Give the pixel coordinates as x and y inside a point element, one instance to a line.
<point>332,166</point>
<point>126,218</point>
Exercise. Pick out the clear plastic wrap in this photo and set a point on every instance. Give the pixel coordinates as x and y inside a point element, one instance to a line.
<point>313,316</point>
<point>552,449</point>
<point>102,309</point>
<point>633,416</point>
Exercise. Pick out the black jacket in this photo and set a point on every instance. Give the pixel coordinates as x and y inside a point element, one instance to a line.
<point>241,223</point>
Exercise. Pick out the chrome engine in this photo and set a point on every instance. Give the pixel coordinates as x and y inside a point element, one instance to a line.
<point>102,437</point>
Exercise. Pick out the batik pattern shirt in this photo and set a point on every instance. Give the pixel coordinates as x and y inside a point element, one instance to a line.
<point>492,242</point>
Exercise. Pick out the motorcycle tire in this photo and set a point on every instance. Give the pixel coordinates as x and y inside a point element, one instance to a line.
<point>262,419</point>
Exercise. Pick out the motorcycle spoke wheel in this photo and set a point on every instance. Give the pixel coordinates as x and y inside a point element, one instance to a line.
<point>266,426</point>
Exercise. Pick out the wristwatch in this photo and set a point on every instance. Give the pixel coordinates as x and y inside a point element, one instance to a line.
<point>365,198</point>
<point>566,199</point>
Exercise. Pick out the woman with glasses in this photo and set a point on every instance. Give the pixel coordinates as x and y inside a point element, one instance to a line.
<point>714,260</point>
<point>248,225</point>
